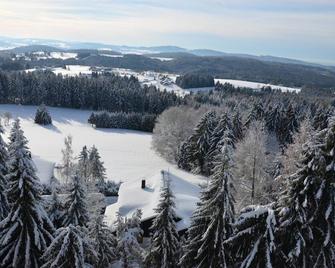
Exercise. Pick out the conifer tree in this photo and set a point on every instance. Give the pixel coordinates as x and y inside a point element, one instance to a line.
<point>104,242</point>
<point>4,206</point>
<point>253,241</point>
<point>42,116</point>
<point>237,126</point>
<point>307,208</point>
<point>84,164</point>
<point>212,220</point>
<point>165,248</point>
<point>256,113</point>
<point>71,248</point>
<point>97,169</point>
<point>76,204</point>
<point>200,141</point>
<point>27,231</point>
<point>56,210</point>
<point>67,161</point>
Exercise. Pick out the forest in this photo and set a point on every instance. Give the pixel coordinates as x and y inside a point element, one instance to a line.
<point>267,159</point>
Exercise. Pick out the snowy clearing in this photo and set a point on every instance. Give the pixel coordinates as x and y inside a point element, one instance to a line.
<point>256,85</point>
<point>127,154</point>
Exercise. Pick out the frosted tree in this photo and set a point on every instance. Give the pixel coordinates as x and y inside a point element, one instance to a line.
<point>84,164</point>
<point>165,247</point>
<point>4,206</point>
<point>293,153</point>
<point>97,169</point>
<point>200,141</point>
<point>253,240</point>
<point>56,209</point>
<point>76,204</point>
<point>251,166</point>
<point>42,116</point>
<point>173,127</point>
<point>104,242</point>
<point>212,220</point>
<point>71,248</point>
<point>237,126</point>
<point>128,234</point>
<point>255,114</point>
<point>67,160</point>
<point>307,207</point>
<point>27,231</point>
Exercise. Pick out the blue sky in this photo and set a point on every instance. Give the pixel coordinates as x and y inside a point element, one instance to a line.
<point>303,29</point>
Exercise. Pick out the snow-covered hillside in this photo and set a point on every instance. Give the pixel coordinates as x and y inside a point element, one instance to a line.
<point>127,154</point>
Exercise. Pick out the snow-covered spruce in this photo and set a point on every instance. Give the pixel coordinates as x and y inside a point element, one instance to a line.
<point>67,160</point>
<point>27,231</point>
<point>199,142</point>
<point>212,220</point>
<point>4,206</point>
<point>307,208</point>
<point>128,232</point>
<point>104,242</point>
<point>76,204</point>
<point>42,116</point>
<point>83,164</point>
<point>165,247</point>
<point>56,210</point>
<point>97,169</point>
<point>253,240</point>
<point>71,248</point>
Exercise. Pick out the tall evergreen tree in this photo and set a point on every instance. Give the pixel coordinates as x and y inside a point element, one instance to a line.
<point>27,231</point>
<point>237,126</point>
<point>253,241</point>
<point>4,206</point>
<point>71,248</point>
<point>56,210</point>
<point>97,169</point>
<point>76,204</point>
<point>200,141</point>
<point>212,220</point>
<point>104,242</point>
<point>165,248</point>
<point>67,161</point>
<point>307,208</point>
<point>256,113</point>
<point>84,164</point>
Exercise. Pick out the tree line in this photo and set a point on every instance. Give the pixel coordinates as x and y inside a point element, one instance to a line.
<point>106,92</point>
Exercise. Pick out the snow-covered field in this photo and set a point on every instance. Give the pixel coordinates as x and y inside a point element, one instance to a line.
<point>127,154</point>
<point>256,85</point>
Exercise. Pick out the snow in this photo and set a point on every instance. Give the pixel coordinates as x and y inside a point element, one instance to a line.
<point>256,85</point>
<point>73,70</point>
<point>127,154</point>
<point>111,56</point>
<point>63,55</point>
<point>185,187</point>
<point>162,58</point>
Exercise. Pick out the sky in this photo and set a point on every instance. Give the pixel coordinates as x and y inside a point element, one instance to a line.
<point>301,29</point>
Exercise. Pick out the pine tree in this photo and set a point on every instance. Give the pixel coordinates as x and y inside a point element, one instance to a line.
<point>200,141</point>
<point>256,113</point>
<point>27,231</point>
<point>128,232</point>
<point>212,220</point>
<point>56,210</point>
<point>76,204</point>
<point>84,164</point>
<point>185,155</point>
<point>42,116</point>
<point>67,161</point>
<point>165,246</point>
<point>273,118</point>
<point>4,206</point>
<point>237,126</point>
<point>104,242</point>
<point>307,208</point>
<point>97,169</point>
<point>253,240</point>
<point>70,249</point>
